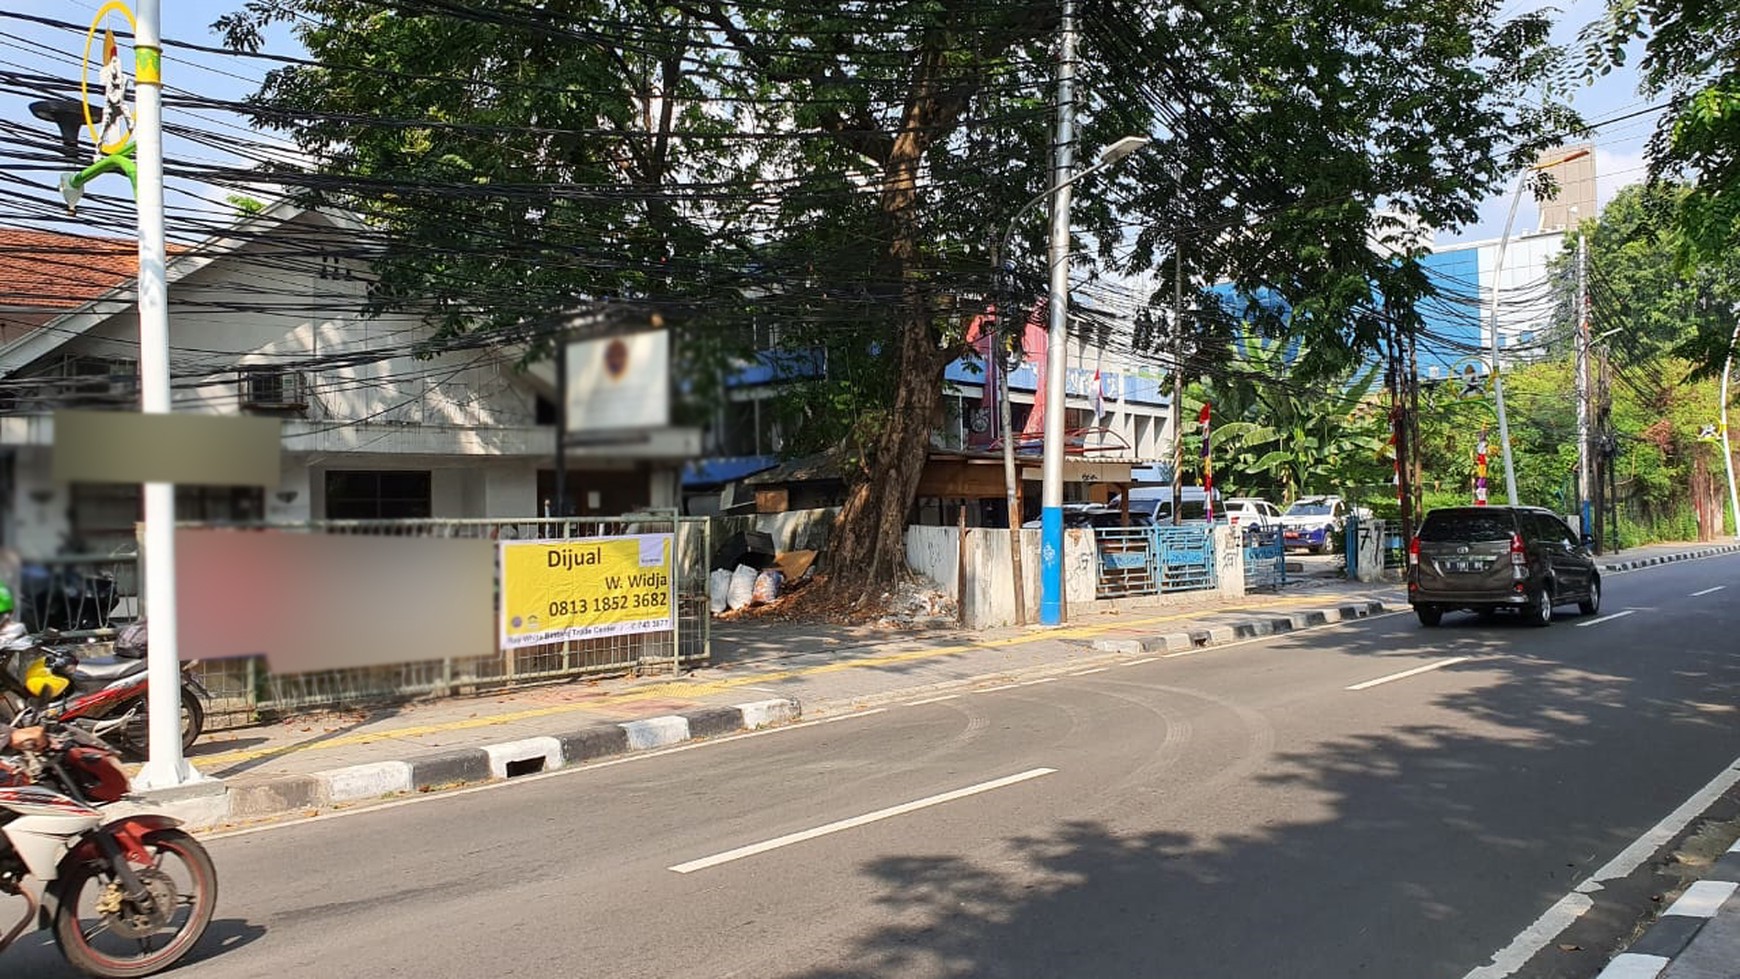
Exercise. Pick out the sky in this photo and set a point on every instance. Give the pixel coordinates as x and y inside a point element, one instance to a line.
<point>1619,147</point>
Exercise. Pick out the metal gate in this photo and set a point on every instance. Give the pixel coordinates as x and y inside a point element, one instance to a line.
<point>1154,560</point>
<point>1265,558</point>
<point>243,690</point>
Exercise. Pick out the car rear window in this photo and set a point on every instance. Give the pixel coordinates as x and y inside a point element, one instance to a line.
<point>1463,526</point>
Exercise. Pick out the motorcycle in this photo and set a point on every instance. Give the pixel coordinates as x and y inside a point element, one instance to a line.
<point>123,897</point>
<point>107,697</point>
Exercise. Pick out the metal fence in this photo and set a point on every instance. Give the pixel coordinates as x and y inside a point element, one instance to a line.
<point>1154,560</point>
<point>1265,558</point>
<point>84,596</point>
<point>243,690</point>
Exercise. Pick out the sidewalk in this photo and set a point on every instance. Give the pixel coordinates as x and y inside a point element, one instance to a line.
<point>1698,937</point>
<point>1650,555</point>
<point>762,673</point>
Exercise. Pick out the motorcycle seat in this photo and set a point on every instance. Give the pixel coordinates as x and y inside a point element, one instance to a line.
<point>107,669</point>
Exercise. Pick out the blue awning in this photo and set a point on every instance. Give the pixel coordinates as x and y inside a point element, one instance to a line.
<point>715,472</point>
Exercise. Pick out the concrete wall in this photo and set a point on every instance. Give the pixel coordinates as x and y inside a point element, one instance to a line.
<point>793,530</point>
<point>990,598</point>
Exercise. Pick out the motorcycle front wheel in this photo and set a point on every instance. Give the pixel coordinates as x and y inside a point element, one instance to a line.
<point>102,933</point>
<point>134,740</point>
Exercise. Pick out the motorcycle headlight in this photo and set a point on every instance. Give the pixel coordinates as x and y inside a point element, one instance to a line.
<point>43,682</point>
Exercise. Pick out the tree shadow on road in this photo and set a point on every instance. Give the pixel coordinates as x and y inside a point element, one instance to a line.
<point>1413,843</point>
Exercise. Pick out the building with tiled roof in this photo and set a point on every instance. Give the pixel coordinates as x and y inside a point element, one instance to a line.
<point>44,274</point>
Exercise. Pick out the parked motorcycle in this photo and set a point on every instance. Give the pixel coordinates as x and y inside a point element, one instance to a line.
<point>124,897</point>
<point>108,697</point>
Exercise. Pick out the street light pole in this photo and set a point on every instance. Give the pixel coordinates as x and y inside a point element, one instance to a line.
<point>1051,499</point>
<point>1728,450</point>
<point>165,767</point>
<point>1497,270</point>
<point>1583,476</point>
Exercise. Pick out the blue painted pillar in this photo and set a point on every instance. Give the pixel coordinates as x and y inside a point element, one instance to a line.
<point>1051,566</point>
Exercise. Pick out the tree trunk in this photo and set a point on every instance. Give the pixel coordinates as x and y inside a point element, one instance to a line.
<point>869,539</point>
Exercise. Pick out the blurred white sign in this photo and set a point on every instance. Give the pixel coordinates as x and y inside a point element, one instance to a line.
<point>619,386</point>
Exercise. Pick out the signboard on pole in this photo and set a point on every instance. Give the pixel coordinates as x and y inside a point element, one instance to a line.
<point>586,588</point>
<point>618,387</point>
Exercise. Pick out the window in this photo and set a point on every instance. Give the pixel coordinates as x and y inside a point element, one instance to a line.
<point>1467,526</point>
<point>272,389</point>
<point>378,495</point>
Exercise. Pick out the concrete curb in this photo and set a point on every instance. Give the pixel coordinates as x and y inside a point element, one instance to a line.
<point>1671,558</point>
<point>1267,624</point>
<point>1673,932</point>
<point>214,803</point>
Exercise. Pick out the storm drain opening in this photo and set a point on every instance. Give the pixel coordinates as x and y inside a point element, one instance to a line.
<point>526,766</point>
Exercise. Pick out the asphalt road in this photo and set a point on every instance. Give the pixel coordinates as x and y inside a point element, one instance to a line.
<point>1239,812</point>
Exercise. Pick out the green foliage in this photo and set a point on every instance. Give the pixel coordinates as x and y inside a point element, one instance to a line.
<point>1281,434</point>
<point>1690,55</point>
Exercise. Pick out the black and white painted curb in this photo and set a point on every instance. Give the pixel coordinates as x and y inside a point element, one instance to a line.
<point>206,805</point>
<point>1650,562</point>
<point>1650,956</point>
<point>1263,625</point>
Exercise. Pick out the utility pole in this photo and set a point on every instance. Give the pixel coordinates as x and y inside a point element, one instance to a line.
<point>1178,369</point>
<point>1419,481</point>
<point>997,371</point>
<point>1584,477</point>
<point>1727,450</point>
<point>1051,499</point>
<point>165,767</point>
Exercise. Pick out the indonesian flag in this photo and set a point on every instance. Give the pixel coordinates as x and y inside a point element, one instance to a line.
<point>1202,418</point>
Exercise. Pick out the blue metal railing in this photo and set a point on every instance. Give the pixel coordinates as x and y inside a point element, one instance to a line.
<point>1186,556</point>
<point>1265,558</point>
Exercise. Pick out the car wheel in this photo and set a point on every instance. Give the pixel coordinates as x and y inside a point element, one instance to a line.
<point>1592,604</point>
<point>1429,616</point>
<point>1540,611</point>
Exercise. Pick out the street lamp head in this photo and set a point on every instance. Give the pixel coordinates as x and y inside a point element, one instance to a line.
<point>1578,155</point>
<point>1120,149</point>
<point>65,113</point>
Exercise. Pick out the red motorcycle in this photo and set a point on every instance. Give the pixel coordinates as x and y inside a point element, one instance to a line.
<point>105,697</point>
<point>124,897</point>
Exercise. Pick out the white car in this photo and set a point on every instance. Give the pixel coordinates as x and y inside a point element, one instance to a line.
<point>1248,511</point>
<point>1312,522</point>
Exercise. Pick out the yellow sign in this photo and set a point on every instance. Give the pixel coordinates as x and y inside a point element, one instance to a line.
<point>554,591</point>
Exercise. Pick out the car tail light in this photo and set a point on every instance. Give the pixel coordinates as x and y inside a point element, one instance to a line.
<point>1519,555</point>
<point>1414,552</point>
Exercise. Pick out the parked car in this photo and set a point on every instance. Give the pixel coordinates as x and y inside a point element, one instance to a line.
<point>1245,512</point>
<point>1156,502</point>
<point>1098,516</point>
<point>1492,558</point>
<point>1312,522</point>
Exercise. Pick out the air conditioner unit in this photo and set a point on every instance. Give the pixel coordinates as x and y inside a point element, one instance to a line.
<point>272,390</point>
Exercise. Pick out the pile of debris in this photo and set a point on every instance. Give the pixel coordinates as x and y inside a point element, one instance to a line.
<point>750,575</point>
<point>918,603</point>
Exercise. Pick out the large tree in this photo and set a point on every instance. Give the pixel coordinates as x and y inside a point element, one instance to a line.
<point>844,169</point>
<point>1691,56</point>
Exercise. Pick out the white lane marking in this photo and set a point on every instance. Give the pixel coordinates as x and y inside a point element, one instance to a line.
<point>844,824</point>
<point>1139,662</point>
<point>1703,899</point>
<point>1607,618</point>
<point>933,700</point>
<point>1416,671</point>
<point>1632,965</point>
<point>1001,686</point>
<point>1570,907</point>
<point>1098,669</point>
<point>1701,594</point>
<point>1043,679</point>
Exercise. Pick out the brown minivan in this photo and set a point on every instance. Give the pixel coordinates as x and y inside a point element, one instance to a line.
<point>1488,558</point>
